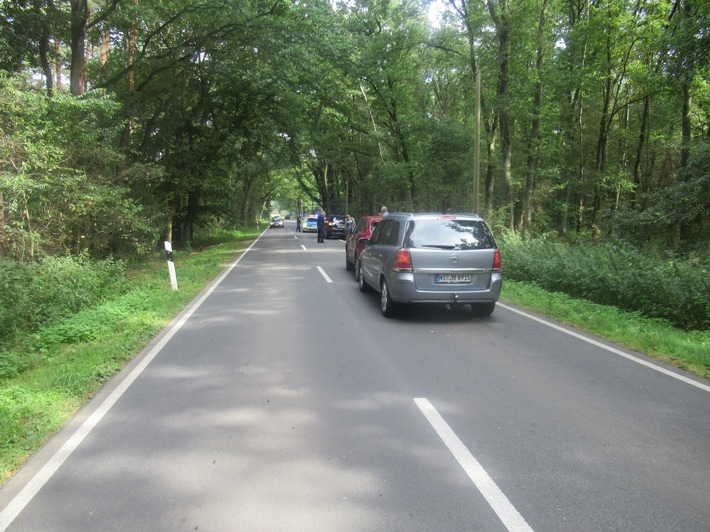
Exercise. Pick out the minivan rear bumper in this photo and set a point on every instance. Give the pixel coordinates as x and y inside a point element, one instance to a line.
<point>403,290</point>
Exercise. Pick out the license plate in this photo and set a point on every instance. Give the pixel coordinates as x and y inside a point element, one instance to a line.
<point>453,278</point>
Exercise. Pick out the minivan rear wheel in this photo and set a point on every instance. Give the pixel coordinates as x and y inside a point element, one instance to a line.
<point>386,303</point>
<point>361,283</point>
<point>483,309</point>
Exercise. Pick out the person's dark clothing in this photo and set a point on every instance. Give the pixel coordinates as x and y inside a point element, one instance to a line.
<point>298,224</point>
<point>321,228</point>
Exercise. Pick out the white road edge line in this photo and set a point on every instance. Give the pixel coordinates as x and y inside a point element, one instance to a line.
<point>23,498</point>
<point>507,513</point>
<point>611,349</point>
<point>325,275</point>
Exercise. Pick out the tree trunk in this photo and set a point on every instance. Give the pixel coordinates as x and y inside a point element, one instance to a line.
<point>502,25</point>
<point>490,166</point>
<point>79,20</point>
<point>565,214</point>
<point>688,72</point>
<point>188,227</point>
<point>58,65</point>
<point>535,126</point>
<point>326,188</point>
<point>44,49</point>
<point>472,35</point>
<point>410,174</point>
<point>247,191</point>
<point>169,229</point>
<point>581,163</point>
<point>573,132</point>
<point>131,83</point>
<point>685,125</point>
<point>103,53</point>
<point>603,136</point>
<point>132,38</point>
<point>639,181</point>
<point>372,120</point>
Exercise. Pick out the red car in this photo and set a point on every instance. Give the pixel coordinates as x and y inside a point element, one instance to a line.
<point>355,241</point>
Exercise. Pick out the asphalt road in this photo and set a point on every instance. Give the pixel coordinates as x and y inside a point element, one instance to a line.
<point>281,400</point>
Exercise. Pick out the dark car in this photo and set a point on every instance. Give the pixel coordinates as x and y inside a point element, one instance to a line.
<point>356,240</point>
<point>335,226</point>
<point>276,221</point>
<point>432,258</point>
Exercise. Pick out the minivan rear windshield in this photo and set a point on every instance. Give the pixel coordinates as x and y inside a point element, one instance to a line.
<point>449,234</point>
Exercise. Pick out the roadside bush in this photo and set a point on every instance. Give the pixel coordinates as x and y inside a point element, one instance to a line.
<point>666,287</point>
<point>37,294</point>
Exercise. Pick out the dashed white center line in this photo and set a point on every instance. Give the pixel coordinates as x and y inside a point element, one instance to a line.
<point>507,513</point>
<point>325,275</point>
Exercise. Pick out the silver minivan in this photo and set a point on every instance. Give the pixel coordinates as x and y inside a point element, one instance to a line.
<point>432,258</point>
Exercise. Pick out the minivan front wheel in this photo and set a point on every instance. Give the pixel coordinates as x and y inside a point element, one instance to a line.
<point>386,303</point>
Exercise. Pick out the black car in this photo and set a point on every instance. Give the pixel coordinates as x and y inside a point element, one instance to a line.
<point>335,226</point>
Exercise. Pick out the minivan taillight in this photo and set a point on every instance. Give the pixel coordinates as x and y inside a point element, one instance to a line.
<point>402,261</point>
<point>497,263</point>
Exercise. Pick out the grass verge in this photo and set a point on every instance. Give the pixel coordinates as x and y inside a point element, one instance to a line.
<point>686,350</point>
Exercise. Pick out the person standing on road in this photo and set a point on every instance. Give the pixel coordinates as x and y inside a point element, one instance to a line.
<point>321,227</point>
<point>298,223</point>
<point>383,211</point>
<point>349,223</point>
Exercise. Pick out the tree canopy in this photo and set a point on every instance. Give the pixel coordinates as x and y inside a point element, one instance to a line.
<point>126,121</point>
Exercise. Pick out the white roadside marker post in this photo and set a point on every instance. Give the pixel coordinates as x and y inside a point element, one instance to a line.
<point>171,265</point>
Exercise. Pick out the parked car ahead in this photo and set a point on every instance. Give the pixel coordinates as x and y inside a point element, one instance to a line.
<point>335,226</point>
<point>432,258</point>
<point>355,241</point>
<point>310,224</point>
<point>276,221</point>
